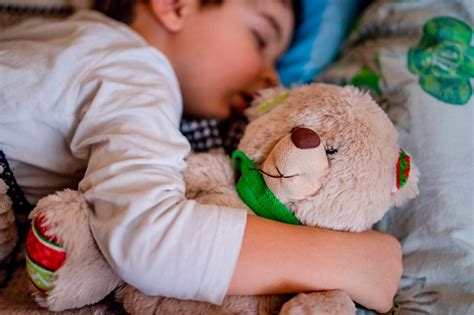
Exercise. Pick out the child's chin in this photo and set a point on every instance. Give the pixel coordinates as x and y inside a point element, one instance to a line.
<point>220,114</point>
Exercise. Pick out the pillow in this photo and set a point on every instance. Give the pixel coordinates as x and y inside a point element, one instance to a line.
<point>323,26</point>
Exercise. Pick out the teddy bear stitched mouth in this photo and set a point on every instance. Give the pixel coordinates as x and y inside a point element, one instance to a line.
<point>280,174</point>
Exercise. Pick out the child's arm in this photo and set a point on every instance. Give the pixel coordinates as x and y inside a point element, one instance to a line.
<point>277,258</point>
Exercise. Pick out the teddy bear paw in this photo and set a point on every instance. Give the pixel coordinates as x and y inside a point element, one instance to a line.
<point>325,302</point>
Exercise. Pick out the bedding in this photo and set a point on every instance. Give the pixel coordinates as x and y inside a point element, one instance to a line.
<point>317,40</point>
<point>417,59</point>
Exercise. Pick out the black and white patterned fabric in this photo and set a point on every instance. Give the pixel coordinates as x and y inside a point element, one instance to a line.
<point>13,12</point>
<point>232,131</point>
<point>208,134</point>
<point>32,9</point>
<point>202,134</point>
<point>21,206</point>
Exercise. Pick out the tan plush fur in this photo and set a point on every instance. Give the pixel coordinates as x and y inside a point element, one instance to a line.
<point>354,191</point>
<point>321,303</point>
<point>8,231</point>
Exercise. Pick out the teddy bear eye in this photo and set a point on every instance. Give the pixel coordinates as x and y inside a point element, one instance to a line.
<point>330,150</point>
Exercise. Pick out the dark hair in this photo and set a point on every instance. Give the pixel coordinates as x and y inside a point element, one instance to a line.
<point>123,10</point>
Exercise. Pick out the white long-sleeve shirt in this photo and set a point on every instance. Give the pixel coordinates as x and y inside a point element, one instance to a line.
<point>86,103</point>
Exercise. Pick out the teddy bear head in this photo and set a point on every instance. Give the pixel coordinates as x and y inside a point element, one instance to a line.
<point>328,154</point>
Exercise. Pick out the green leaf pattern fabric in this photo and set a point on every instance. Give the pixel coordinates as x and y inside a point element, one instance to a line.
<point>368,79</point>
<point>444,60</point>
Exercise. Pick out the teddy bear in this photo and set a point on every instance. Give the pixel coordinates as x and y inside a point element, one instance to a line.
<point>317,155</point>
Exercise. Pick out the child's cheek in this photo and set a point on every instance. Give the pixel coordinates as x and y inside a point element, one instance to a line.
<point>246,66</point>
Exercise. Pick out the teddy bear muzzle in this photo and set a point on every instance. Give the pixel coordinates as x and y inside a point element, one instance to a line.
<point>296,166</point>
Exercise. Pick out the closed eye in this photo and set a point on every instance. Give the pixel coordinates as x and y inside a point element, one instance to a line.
<point>259,40</point>
<point>330,150</point>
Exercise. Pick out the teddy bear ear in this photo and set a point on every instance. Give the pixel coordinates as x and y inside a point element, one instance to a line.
<point>405,179</point>
<point>265,101</point>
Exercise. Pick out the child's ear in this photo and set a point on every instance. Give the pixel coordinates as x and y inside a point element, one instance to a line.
<point>172,13</point>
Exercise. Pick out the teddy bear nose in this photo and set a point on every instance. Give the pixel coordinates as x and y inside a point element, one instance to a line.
<point>304,138</point>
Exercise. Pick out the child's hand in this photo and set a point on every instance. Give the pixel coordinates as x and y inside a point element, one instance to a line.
<point>375,270</point>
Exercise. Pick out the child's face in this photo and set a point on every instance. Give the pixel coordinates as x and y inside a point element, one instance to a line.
<point>227,52</point>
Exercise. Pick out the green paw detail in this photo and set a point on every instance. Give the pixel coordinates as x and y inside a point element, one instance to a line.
<point>444,60</point>
<point>42,278</point>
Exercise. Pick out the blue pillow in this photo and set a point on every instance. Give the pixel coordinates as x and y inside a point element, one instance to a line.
<point>323,27</point>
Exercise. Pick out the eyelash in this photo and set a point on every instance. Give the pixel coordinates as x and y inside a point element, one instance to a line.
<point>330,150</point>
<point>261,43</point>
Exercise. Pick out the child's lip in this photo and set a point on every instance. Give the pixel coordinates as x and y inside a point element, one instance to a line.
<point>242,102</point>
<point>248,97</point>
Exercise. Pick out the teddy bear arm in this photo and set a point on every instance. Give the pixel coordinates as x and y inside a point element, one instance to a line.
<point>324,302</point>
<point>208,173</point>
<point>210,179</point>
<point>135,302</point>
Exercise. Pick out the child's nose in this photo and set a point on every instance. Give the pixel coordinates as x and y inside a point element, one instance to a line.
<point>270,77</point>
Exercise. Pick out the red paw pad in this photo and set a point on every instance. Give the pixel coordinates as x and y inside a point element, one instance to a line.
<point>44,255</point>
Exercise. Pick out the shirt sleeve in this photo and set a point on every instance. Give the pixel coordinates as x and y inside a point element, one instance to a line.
<point>151,235</point>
